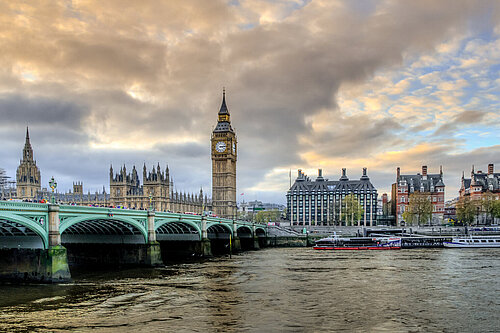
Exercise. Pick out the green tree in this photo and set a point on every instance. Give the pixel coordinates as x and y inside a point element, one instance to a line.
<point>466,210</point>
<point>351,210</point>
<point>265,216</point>
<point>419,209</point>
<point>496,209</point>
<point>488,200</point>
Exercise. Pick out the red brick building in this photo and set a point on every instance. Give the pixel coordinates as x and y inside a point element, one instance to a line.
<point>480,182</point>
<point>431,184</point>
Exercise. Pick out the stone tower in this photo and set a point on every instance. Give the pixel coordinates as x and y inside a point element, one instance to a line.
<point>28,175</point>
<point>224,153</point>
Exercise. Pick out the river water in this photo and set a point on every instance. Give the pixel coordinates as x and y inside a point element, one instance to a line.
<point>288,289</point>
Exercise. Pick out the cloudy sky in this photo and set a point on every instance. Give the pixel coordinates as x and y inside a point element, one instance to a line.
<point>310,84</point>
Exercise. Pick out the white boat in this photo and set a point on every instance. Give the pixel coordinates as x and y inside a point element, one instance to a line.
<point>474,241</point>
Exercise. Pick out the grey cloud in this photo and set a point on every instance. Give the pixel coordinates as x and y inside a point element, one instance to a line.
<point>20,109</point>
<point>350,138</point>
<point>463,118</point>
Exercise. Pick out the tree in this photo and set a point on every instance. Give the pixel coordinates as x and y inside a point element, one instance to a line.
<point>419,208</point>
<point>487,205</point>
<point>352,210</point>
<point>265,216</point>
<point>466,210</point>
<point>496,209</point>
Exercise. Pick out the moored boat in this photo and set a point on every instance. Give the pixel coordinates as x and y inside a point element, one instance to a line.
<point>474,242</point>
<point>358,243</point>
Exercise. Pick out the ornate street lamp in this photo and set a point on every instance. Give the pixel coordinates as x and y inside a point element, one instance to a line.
<point>150,201</point>
<point>53,185</point>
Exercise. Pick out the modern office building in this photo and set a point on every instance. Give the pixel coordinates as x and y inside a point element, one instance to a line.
<point>323,201</point>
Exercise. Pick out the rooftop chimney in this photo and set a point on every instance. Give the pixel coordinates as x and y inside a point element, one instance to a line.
<point>320,176</point>
<point>344,177</point>
<point>364,176</point>
<point>490,169</point>
<point>398,173</point>
<point>424,170</point>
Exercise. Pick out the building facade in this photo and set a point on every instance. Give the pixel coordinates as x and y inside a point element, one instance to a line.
<point>406,185</point>
<point>156,191</point>
<point>480,183</point>
<point>224,156</point>
<point>28,178</point>
<point>323,202</point>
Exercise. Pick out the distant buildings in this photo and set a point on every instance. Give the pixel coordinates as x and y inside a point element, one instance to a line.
<point>257,206</point>
<point>126,190</point>
<point>323,202</point>
<point>406,185</point>
<point>480,183</point>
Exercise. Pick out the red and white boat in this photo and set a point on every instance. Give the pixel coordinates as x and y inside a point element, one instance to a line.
<point>358,243</point>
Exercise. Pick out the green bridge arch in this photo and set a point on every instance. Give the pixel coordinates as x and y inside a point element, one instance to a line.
<point>165,221</point>
<point>78,219</point>
<point>30,224</point>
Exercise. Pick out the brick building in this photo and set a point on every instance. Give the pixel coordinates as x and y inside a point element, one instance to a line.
<point>480,182</point>
<point>406,185</point>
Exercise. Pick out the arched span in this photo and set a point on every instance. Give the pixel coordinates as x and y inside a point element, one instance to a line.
<point>219,230</point>
<point>9,220</point>
<point>244,232</point>
<point>178,231</point>
<point>186,223</point>
<point>100,225</point>
<point>260,232</point>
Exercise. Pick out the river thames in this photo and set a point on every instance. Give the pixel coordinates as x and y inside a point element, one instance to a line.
<point>287,289</point>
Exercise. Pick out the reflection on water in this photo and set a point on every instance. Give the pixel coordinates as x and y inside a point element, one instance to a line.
<point>293,289</point>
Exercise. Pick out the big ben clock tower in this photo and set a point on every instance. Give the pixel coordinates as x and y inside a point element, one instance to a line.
<point>224,147</point>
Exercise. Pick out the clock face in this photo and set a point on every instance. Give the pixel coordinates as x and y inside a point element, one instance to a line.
<point>220,146</point>
<point>234,147</point>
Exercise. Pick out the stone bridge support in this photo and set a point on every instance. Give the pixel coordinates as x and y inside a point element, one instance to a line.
<point>153,250</point>
<point>206,247</point>
<point>236,239</point>
<point>56,264</point>
<point>255,239</point>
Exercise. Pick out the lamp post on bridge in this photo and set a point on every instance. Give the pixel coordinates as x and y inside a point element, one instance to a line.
<point>53,186</point>
<point>150,201</point>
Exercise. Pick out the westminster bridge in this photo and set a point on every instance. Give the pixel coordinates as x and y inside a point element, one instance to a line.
<point>39,242</point>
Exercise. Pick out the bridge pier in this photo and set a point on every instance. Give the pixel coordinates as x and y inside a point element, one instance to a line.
<point>205,246</point>
<point>236,239</point>
<point>153,249</point>
<point>57,267</point>
<point>256,245</point>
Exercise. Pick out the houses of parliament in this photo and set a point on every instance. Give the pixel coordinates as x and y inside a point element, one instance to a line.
<point>156,189</point>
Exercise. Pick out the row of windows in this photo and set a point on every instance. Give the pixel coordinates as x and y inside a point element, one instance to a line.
<point>405,189</point>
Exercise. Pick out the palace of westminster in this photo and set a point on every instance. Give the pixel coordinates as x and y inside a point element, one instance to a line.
<point>156,190</point>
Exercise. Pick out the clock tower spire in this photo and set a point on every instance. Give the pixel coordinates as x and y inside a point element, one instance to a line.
<point>224,155</point>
